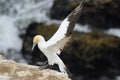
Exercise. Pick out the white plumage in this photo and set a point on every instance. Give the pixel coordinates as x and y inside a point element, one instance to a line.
<point>54,45</point>
<point>52,48</point>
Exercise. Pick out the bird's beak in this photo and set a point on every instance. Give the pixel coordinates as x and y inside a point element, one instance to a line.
<point>34,44</point>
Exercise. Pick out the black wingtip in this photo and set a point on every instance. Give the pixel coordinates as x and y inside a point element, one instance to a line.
<point>74,16</point>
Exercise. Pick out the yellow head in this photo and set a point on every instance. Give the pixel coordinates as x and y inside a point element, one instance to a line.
<point>36,39</point>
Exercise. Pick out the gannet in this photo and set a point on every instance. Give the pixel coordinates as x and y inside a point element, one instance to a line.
<point>52,48</point>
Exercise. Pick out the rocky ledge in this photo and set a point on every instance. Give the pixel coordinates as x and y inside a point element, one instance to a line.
<point>10,70</point>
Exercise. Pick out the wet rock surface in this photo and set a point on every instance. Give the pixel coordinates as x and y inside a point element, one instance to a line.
<point>90,56</point>
<point>101,14</point>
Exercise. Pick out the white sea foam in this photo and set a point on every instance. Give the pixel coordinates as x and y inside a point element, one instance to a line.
<point>117,77</point>
<point>9,35</point>
<point>15,16</point>
<point>82,28</point>
<point>113,31</point>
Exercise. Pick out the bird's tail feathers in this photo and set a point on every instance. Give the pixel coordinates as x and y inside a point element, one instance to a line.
<point>62,67</point>
<point>68,72</point>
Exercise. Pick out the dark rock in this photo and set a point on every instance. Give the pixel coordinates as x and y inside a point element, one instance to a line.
<point>101,14</point>
<point>91,50</point>
<point>90,55</point>
<point>61,9</point>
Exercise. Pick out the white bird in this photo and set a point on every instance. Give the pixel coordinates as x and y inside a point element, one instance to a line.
<point>52,48</point>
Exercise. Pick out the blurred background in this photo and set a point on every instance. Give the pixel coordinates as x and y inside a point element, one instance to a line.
<point>94,53</point>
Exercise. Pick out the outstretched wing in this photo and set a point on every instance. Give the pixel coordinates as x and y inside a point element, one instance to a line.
<point>63,34</point>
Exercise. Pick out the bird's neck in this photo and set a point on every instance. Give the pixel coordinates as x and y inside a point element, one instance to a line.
<point>42,42</point>
<point>41,45</point>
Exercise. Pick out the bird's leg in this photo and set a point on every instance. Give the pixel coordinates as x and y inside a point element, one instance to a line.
<point>42,65</point>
